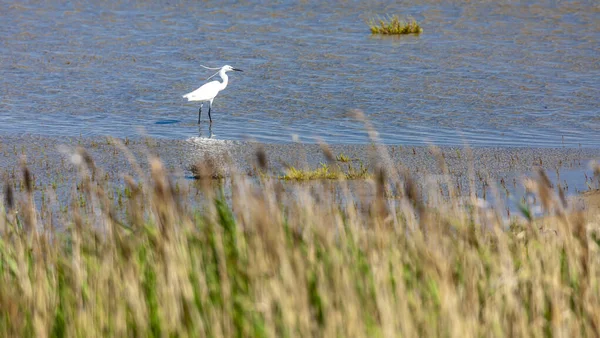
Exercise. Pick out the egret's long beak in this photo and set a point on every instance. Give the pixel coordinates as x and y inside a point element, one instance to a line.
<point>237,70</point>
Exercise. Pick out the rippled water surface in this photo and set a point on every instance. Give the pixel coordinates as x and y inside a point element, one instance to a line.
<point>484,72</point>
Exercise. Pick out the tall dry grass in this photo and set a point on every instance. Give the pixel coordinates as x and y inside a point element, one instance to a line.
<point>272,263</point>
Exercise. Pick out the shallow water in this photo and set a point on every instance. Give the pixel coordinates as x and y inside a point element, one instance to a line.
<point>489,73</point>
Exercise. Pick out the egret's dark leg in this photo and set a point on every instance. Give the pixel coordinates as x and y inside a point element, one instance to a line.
<point>209,108</point>
<point>200,111</point>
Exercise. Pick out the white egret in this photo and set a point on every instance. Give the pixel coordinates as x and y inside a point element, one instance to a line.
<point>208,91</point>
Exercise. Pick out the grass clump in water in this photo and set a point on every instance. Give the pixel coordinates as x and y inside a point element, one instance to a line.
<point>342,158</point>
<point>326,172</point>
<point>320,173</point>
<point>395,26</point>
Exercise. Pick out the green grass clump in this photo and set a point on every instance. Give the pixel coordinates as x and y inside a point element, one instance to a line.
<point>326,172</point>
<point>394,25</point>
<point>359,173</point>
<point>342,158</point>
<point>321,173</point>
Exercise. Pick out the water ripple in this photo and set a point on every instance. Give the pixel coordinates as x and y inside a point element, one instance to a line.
<point>486,72</point>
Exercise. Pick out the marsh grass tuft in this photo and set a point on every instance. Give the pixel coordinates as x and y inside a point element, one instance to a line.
<point>326,172</point>
<point>321,173</point>
<point>342,158</point>
<point>394,25</point>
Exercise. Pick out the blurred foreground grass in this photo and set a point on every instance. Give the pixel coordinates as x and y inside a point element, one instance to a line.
<point>267,262</point>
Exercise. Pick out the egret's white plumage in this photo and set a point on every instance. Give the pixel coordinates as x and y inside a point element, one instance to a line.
<point>208,91</point>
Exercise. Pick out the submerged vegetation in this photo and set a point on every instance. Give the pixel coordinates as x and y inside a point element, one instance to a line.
<point>394,25</point>
<point>266,262</point>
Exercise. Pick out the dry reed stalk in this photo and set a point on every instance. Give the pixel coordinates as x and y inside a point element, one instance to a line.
<point>294,260</point>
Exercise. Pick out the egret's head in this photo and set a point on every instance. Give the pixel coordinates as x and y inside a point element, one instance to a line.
<point>228,68</point>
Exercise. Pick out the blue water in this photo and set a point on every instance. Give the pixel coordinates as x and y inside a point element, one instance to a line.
<point>498,73</point>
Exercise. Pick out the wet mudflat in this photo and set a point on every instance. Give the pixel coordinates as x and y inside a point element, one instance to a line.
<point>53,163</point>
